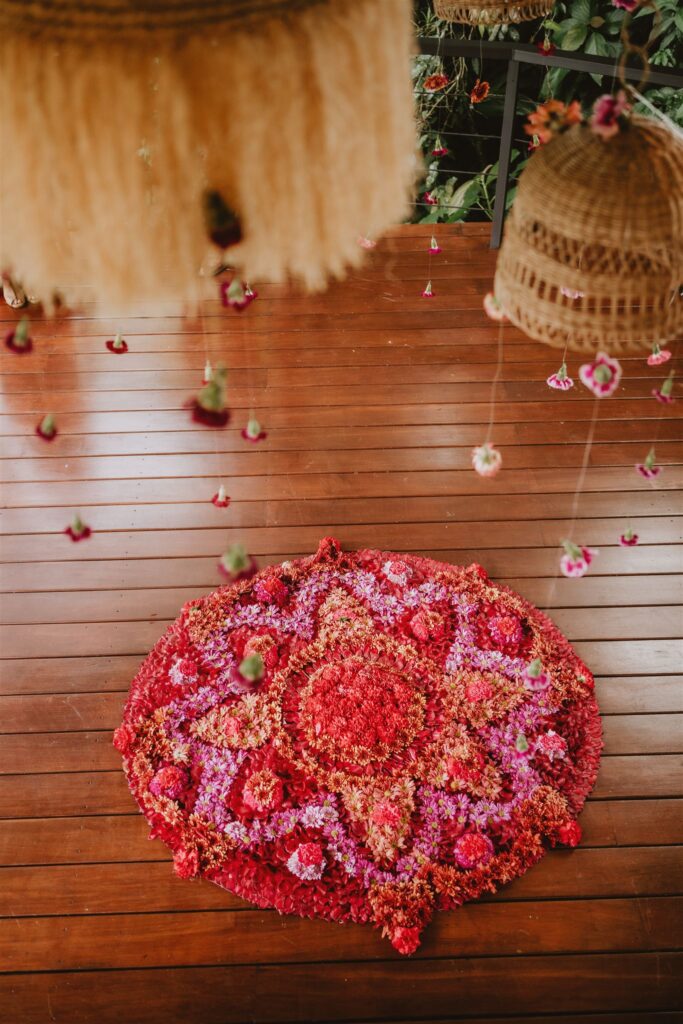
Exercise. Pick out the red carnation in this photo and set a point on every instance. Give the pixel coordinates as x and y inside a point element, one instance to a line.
<point>124,737</point>
<point>405,940</point>
<point>310,855</point>
<point>185,863</point>
<point>271,589</point>
<point>570,833</point>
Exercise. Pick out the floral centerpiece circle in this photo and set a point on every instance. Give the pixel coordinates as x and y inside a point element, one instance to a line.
<point>416,736</point>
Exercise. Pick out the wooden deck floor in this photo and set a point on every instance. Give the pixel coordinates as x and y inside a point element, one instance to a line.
<point>373,398</point>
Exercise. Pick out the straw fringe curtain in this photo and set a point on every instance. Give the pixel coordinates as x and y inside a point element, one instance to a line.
<point>604,219</point>
<point>116,117</point>
<point>492,12</point>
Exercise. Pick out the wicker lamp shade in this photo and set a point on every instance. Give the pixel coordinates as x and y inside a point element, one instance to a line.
<point>491,12</point>
<point>593,247</point>
<point>120,118</point>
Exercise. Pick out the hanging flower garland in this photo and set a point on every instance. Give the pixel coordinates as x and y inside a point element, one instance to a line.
<point>19,340</point>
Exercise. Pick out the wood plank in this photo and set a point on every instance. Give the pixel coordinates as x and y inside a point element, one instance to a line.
<point>103,838</point>
<point>373,992</point>
<point>152,886</point>
<point>217,937</point>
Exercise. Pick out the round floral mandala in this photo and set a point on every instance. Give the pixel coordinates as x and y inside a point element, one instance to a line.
<point>417,736</point>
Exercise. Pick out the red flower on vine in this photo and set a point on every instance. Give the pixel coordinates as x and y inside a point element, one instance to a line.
<point>480,91</point>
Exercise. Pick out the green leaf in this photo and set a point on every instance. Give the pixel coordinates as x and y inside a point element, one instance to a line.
<point>581,10</point>
<point>596,44</point>
<point>466,194</point>
<point>574,38</point>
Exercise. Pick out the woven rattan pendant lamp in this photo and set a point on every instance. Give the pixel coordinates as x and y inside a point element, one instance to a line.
<point>142,137</point>
<point>593,247</point>
<point>491,12</point>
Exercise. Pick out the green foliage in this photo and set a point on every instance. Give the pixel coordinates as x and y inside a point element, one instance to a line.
<point>463,182</point>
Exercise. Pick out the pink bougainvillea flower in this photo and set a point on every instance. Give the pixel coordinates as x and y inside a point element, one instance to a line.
<point>658,356</point>
<point>208,372</point>
<point>428,293</point>
<point>253,432</point>
<point>19,340</point>
<point>236,294</point>
<point>77,530</point>
<point>535,678</point>
<point>47,428</point>
<point>545,47</point>
<point>648,469</point>
<point>480,91</point>
<point>439,148</point>
<point>560,381</point>
<point>366,243</point>
<point>222,224</point>
<point>629,539</point>
<point>602,376</point>
<point>610,114</point>
<point>576,559</point>
<point>117,345</point>
<point>220,498</point>
<point>435,83</point>
<point>434,247</point>
<point>236,564</point>
<point>569,833</point>
<point>571,293</point>
<point>209,407</point>
<point>486,460</point>
<point>664,394</point>
<point>551,117</point>
<point>429,199</point>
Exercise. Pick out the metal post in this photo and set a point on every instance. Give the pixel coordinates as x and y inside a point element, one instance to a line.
<point>509,109</point>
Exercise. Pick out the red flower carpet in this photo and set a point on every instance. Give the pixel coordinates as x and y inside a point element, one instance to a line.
<point>361,737</point>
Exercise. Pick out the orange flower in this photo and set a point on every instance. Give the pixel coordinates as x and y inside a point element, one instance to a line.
<point>435,82</point>
<point>553,116</point>
<point>480,91</point>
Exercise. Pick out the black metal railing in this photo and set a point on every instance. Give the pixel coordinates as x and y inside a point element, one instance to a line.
<point>516,54</point>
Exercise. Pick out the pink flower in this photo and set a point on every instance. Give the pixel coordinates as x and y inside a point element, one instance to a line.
<point>429,199</point>
<point>434,247</point>
<point>473,850</point>
<point>610,114</point>
<point>78,530</point>
<point>386,813</point>
<point>169,781</point>
<point>571,293</point>
<point>19,340</point>
<point>186,863</point>
<point>535,679</point>
<point>569,833</point>
<point>397,572</point>
<point>428,293</point>
<point>307,862</point>
<point>628,539</point>
<point>220,498</point>
<point>47,428</point>
<point>434,83</point>
<point>486,460</point>
<point>493,308</point>
<point>658,356</point>
<point>271,590</point>
<point>210,405</point>
<point>366,243</point>
<point>552,745</point>
<point>575,561</point>
<point>560,381</point>
<point>439,148</point>
<point>664,393</point>
<point>478,689</point>
<point>648,469</point>
<point>117,345</point>
<point>124,737</point>
<point>236,295</point>
<point>626,5</point>
<point>602,376</point>
<point>253,432</point>
<point>236,564</point>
